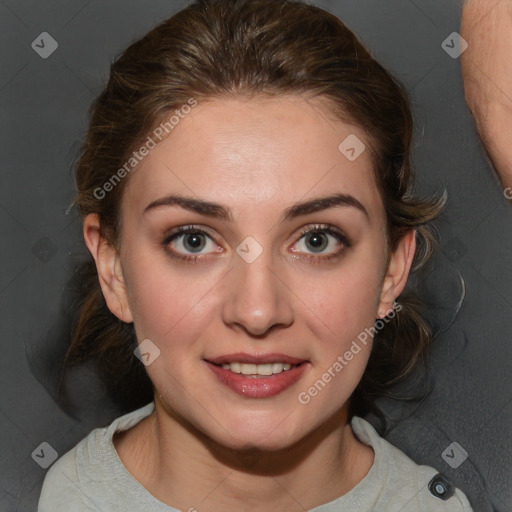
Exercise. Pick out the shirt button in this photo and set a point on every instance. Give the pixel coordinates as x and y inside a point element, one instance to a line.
<point>440,487</point>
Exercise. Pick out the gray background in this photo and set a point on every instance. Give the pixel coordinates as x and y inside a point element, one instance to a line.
<point>43,106</point>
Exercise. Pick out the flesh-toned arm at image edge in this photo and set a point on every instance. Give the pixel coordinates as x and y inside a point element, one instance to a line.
<point>487,72</point>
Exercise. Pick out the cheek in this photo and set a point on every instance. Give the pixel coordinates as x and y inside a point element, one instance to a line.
<point>342,313</point>
<point>168,303</point>
<point>343,303</point>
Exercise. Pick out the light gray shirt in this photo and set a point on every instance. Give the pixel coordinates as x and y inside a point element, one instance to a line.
<point>91,477</point>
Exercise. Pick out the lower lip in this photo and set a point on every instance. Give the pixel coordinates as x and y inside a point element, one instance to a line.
<point>262,386</point>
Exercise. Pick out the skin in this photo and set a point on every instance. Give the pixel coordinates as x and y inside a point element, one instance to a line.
<point>206,446</point>
<point>487,72</point>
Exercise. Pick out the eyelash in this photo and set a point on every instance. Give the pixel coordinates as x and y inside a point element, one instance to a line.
<point>322,228</point>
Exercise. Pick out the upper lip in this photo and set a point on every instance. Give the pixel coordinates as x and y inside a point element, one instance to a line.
<point>245,358</point>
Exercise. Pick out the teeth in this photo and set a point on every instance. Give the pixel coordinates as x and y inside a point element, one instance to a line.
<point>257,369</point>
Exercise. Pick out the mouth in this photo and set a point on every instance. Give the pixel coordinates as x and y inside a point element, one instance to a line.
<point>260,376</point>
<point>258,370</point>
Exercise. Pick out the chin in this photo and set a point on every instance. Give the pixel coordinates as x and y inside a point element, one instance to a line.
<point>257,431</point>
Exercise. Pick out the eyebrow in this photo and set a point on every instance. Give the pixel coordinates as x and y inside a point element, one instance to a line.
<point>218,211</point>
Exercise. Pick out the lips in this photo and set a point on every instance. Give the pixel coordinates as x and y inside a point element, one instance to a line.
<point>257,386</point>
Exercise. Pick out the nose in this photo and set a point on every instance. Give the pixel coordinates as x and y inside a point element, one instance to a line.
<point>256,296</point>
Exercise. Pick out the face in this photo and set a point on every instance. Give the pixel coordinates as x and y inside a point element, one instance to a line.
<point>231,255</point>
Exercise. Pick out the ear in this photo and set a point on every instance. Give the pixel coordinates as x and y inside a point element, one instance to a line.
<point>397,272</point>
<point>108,265</point>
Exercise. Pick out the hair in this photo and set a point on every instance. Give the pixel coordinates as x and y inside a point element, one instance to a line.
<point>217,49</point>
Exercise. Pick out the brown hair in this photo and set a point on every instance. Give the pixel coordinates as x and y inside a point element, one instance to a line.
<point>221,48</point>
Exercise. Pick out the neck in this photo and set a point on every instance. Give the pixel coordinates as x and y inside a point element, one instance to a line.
<point>185,469</point>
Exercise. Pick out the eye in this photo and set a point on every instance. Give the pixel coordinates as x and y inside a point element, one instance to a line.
<point>323,240</point>
<point>193,244</point>
<point>188,242</point>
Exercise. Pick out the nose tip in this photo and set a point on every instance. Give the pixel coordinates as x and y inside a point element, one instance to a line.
<point>258,326</point>
<point>258,314</point>
<point>256,300</point>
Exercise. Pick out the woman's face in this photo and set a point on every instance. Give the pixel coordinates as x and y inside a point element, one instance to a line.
<point>271,273</point>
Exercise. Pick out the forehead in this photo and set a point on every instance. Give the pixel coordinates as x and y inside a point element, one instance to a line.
<point>243,152</point>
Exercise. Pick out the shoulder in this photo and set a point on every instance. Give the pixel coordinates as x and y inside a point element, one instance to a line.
<point>405,485</point>
<point>62,485</point>
<point>87,477</point>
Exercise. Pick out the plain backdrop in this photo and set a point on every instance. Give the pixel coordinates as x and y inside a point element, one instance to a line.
<point>43,105</point>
